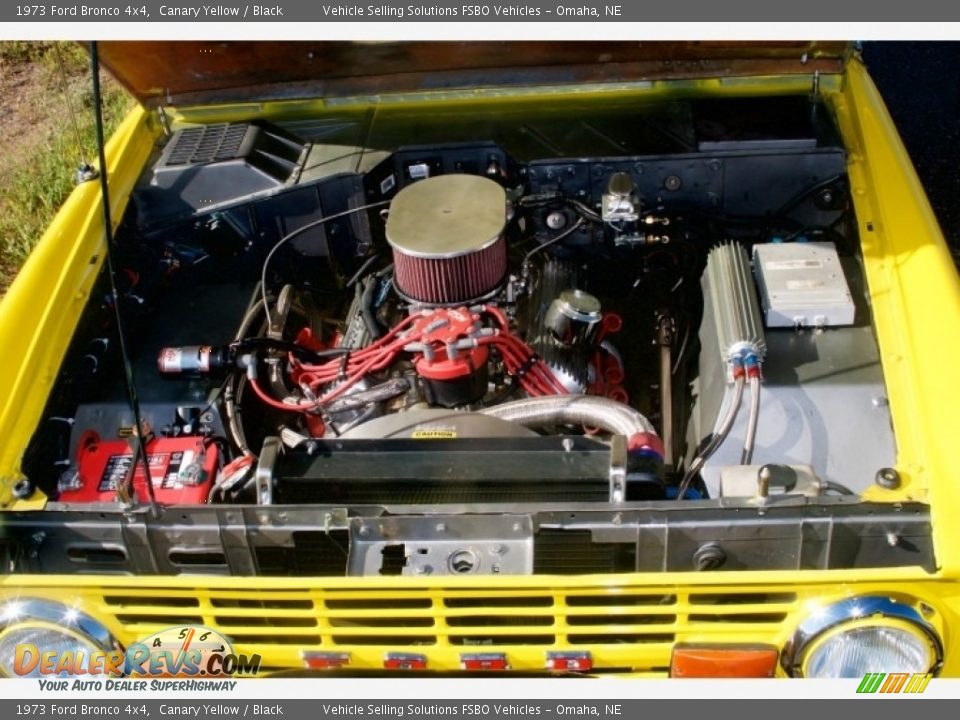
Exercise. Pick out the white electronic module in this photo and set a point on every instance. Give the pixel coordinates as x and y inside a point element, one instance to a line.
<point>802,284</point>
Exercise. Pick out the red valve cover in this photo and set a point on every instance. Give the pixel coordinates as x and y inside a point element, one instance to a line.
<point>182,470</point>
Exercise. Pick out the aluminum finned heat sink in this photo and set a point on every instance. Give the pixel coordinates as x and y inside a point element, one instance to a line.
<point>729,291</point>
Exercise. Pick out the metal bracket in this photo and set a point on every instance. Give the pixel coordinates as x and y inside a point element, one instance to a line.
<point>618,469</point>
<point>272,447</point>
<point>85,173</point>
<point>164,122</point>
<point>444,545</point>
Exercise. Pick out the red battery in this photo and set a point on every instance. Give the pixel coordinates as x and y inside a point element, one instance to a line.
<point>182,470</point>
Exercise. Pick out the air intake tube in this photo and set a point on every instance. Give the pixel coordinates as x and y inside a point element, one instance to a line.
<point>600,412</point>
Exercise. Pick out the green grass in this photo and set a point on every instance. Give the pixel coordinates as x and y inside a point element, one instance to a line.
<point>43,175</point>
<point>25,51</point>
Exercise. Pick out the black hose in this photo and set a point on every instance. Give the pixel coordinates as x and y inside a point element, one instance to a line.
<point>362,271</point>
<point>298,351</point>
<point>715,442</point>
<point>366,308</point>
<point>234,427</point>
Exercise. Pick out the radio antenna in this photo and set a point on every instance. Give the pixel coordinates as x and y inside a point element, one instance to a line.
<point>140,445</point>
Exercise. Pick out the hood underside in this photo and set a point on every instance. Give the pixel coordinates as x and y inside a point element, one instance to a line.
<point>189,73</point>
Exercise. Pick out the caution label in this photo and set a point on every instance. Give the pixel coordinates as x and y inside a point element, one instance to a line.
<point>434,434</point>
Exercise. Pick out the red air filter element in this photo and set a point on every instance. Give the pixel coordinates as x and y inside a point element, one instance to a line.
<point>447,239</point>
<point>449,281</point>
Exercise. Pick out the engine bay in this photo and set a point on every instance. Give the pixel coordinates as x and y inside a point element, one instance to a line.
<point>539,341</point>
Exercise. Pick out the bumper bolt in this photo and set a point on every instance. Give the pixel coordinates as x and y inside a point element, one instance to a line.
<point>887,478</point>
<point>22,489</point>
<point>709,556</point>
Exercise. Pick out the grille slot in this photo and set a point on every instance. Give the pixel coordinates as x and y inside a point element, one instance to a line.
<point>157,619</point>
<point>621,619</point>
<point>500,620</point>
<point>497,602</point>
<point>387,622</point>
<point>388,640</point>
<point>275,639</point>
<point>274,604</point>
<point>613,600</point>
<point>171,601</point>
<point>279,622</point>
<point>502,639</point>
<point>742,598</point>
<point>376,603</point>
<point>620,638</point>
<point>747,618</point>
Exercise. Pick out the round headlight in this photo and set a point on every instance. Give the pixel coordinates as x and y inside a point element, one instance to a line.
<point>44,639</point>
<point>861,635</point>
<point>44,626</point>
<point>854,653</point>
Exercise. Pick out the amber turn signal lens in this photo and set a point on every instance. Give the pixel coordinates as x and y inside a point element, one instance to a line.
<point>723,661</point>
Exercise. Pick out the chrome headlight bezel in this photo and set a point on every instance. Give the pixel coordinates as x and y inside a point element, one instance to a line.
<point>53,615</point>
<point>849,611</point>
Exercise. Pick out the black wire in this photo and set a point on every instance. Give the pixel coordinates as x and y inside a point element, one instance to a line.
<point>217,396</point>
<point>584,210</point>
<point>299,231</point>
<point>108,235</point>
<point>298,350</point>
<point>362,271</point>
<point>815,230</point>
<point>506,393</point>
<point>804,194</point>
<point>553,240</point>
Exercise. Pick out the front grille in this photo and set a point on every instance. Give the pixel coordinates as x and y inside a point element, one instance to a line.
<point>627,630</point>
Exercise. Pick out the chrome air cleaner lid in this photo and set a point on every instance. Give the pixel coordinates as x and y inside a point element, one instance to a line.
<point>447,216</point>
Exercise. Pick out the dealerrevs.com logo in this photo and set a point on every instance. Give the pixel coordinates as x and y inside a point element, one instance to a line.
<point>189,651</point>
